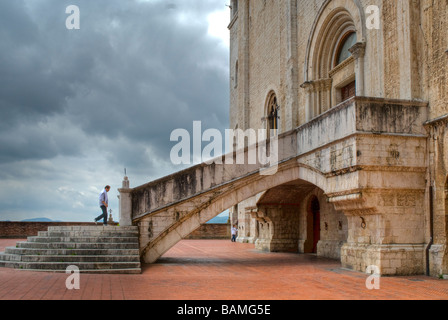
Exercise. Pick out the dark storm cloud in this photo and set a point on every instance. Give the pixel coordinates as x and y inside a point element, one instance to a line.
<point>77,106</point>
<point>135,71</point>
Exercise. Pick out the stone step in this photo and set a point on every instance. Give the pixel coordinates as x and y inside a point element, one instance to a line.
<point>98,271</point>
<point>93,249</point>
<point>62,266</point>
<point>72,245</point>
<point>65,252</point>
<point>92,228</point>
<point>88,233</point>
<point>83,239</point>
<point>67,258</point>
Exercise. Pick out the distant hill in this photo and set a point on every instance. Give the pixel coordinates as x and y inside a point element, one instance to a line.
<point>39,220</point>
<point>219,220</point>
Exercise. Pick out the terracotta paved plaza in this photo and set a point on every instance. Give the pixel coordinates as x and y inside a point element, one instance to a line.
<point>221,270</point>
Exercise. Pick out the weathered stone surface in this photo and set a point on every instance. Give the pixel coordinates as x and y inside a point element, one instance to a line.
<point>375,164</point>
<point>93,249</point>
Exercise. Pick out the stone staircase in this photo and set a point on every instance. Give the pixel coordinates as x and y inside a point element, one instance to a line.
<point>93,249</point>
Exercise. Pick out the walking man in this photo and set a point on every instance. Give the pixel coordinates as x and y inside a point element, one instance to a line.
<point>234,231</point>
<point>104,204</point>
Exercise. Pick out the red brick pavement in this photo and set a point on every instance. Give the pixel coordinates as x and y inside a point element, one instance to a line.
<point>221,270</point>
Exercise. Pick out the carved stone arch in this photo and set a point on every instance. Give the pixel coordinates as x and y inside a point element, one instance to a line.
<point>338,26</point>
<point>328,10</point>
<point>327,83</point>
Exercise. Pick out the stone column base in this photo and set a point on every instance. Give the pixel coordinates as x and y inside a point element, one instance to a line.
<point>325,248</point>
<point>329,249</point>
<point>303,246</point>
<point>277,245</point>
<point>391,259</point>
<point>245,240</point>
<point>436,256</point>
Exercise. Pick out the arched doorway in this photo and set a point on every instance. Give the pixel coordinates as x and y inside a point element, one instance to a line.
<point>313,225</point>
<point>315,215</point>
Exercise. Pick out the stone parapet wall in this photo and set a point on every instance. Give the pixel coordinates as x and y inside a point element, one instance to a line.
<point>211,232</point>
<point>19,230</point>
<point>11,230</point>
<point>390,259</point>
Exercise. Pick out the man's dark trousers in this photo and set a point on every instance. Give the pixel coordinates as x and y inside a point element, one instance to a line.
<point>103,216</point>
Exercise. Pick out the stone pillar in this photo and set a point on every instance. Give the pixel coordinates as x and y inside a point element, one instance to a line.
<point>308,86</point>
<point>125,203</point>
<point>291,115</point>
<point>385,230</point>
<point>279,228</point>
<point>358,52</point>
<point>243,63</point>
<point>323,87</point>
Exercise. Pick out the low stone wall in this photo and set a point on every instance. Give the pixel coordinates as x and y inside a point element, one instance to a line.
<point>20,230</point>
<point>211,231</point>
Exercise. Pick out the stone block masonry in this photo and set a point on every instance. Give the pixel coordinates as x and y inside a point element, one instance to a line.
<point>18,230</point>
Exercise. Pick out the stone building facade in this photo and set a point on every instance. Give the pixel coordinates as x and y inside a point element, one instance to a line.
<point>363,84</point>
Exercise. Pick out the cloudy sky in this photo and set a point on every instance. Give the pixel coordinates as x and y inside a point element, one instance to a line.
<point>79,106</point>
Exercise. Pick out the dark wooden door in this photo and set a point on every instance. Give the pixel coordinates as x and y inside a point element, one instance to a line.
<point>348,91</point>
<point>315,210</point>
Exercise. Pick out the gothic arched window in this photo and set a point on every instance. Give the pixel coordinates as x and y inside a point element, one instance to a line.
<point>272,114</point>
<point>346,43</point>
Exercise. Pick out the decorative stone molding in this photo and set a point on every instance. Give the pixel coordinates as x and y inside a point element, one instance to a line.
<point>358,50</point>
<point>347,62</point>
<point>391,259</point>
<point>443,120</point>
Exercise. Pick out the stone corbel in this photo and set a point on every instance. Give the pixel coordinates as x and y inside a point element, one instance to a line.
<point>352,205</point>
<point>358,50</point>
<point>261,217</point>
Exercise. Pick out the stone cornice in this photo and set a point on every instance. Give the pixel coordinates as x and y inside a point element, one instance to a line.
<point>356,168</point>
<point>437,121</point>
<point>342,105</point>
<point>342,65</point>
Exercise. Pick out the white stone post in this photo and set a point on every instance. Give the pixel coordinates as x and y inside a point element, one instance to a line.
<point>125,200</point>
